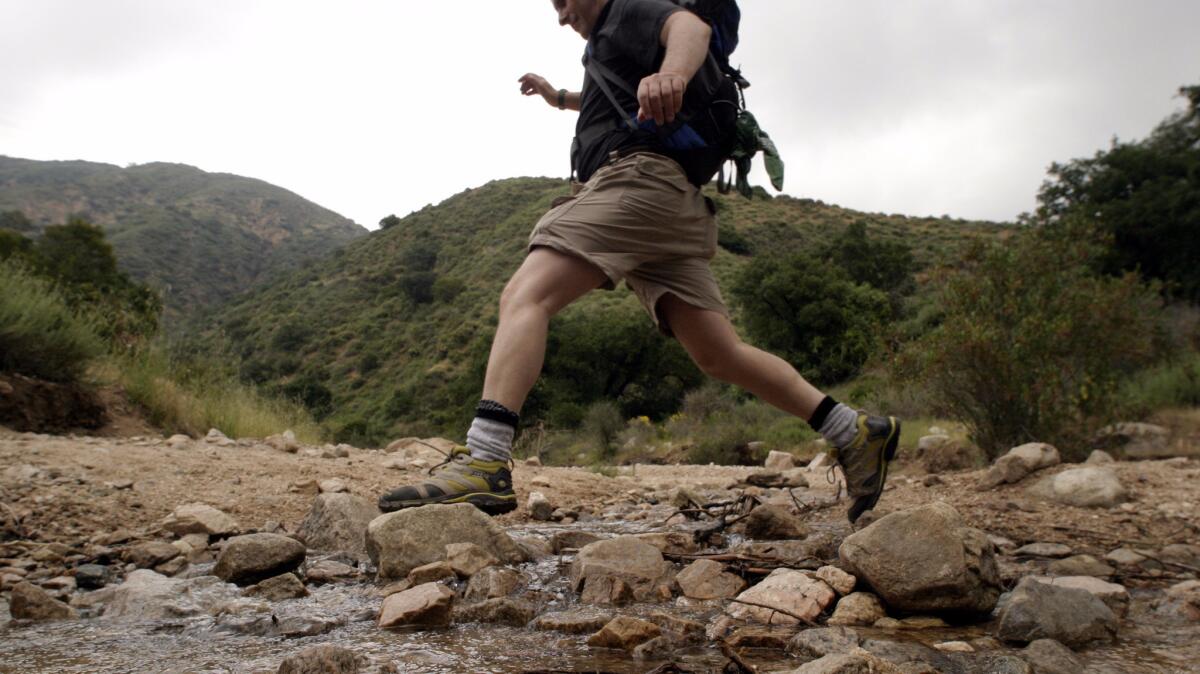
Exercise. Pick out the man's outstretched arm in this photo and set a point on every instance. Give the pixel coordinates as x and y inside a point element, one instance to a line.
<point>536,84</point>
<point>660,96</point>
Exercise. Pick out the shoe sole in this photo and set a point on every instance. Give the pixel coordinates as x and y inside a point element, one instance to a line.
<point>491,504</point>
<point>890,447</point>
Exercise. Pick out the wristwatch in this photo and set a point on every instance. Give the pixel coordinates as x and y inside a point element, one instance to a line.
<point>562,99</point>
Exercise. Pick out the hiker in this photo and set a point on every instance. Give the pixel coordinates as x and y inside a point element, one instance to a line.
<point>634,214</point>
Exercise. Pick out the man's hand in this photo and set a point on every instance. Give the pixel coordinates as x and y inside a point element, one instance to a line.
<point>536,84</point>
<point>660,96</point>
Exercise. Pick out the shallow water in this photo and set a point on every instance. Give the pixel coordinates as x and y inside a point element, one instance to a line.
<point>200,645</point>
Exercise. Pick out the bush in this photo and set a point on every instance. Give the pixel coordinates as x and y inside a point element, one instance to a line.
<point>40,335</point>
<point>1033,342</point>
<point>602,424</point>
<point>812,315</point>
<point>1172,384</point>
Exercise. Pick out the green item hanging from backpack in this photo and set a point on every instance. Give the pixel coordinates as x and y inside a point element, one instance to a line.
<point>750,140</point>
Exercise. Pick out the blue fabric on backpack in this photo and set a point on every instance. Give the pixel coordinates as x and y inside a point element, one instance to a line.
<point>683,138</point>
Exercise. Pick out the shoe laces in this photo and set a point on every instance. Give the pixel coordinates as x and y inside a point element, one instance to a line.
<point>831,478</point>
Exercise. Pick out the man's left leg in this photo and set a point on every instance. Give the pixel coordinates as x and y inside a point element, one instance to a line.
<point>863,444</point>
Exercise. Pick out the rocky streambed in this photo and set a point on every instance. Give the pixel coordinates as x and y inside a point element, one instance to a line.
<point>665,569</point>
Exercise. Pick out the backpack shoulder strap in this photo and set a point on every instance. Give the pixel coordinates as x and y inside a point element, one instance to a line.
<point>603,76</point>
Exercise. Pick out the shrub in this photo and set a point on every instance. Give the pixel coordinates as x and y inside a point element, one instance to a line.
<point>1171,384</point>
<point>602,424</point>
<point>40,335</point>
<point>1033,342</point>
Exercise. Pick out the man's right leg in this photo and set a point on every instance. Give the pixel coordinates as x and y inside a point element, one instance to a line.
<point>546,282</point>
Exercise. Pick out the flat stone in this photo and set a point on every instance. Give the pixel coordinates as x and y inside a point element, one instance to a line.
<point>199,518</point>
<point>1088,487</point>
<point>1050,657</point>
<point>571,539</point>
<point>788,589</point>
<point>502,611</point>
<point>329,571</point>
<point>576,621</point>
<point>431,573</point>
<point>821,641</point>
<point>248,559</point>
<point>624,632</point>
<point>1124,557</point>
<point>427,605</point>
<point>1080,565</point>
<point>323,659</point>
<point>760,636</point>
<point>1053,550</point>
<point>1115,596</point>
<point>150,554</point>
<point>278,588</point>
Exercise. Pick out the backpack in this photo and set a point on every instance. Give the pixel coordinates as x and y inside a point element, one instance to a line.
<point>703,140</point>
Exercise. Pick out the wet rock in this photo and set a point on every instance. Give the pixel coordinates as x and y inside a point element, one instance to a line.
<point>857,661</point>
<point>673,624</point>
<point>1089,487</point>
<point>1180,603</point>
<point>840,581</point>
<point>502,611</point>
<point>794,552</point>
<point>146,595</point>
<point>1047,656</point>
<point>821,641</point>
<point>467,559</point>
<point>774,522</point>
<point>914,656</point>
<point>925,559</point>
<point>954,647</point>
<point>943,454</point>
<point>788,589</point>
<point>779,461</point>
<point>858,609</point>
<point>493,582</point>
<point>199,518</point>
<point>617,570</point>
<point>1079,565</point>
<point>1135,440</point>
<point>707,579</point>
<point>150,554</point>
<point>427,605</point>
<point>576,621</point>
<point>658,648</point>
<point>1019,462</point>
<point>401,541</point>
<point>324,659</point>
<point>30,602</point>
<point>1052,550</point>
<point>533,547</point>
<point>760,636</point>
<point>431,573</point>
<point>91,576</point>
<point>338,522</point>
<point>278,588</point>
<point>255,557</point>
<point>624,632</point>
<point>1099,456</point>
<point>1042,611</point>
<point>571,539</point>
<point>922,622</point>
<point>329,571</point>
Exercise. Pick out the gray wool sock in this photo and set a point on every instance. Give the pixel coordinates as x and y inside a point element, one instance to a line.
<point>840,426</point>
<point>490,440</point>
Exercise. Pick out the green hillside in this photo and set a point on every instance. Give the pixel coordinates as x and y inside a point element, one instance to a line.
<point>389,334</point>
<point>197,237</point>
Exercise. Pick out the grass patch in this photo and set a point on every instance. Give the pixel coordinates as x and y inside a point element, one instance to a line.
<point>192,398</point>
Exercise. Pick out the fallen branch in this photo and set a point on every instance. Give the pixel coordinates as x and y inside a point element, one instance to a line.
<point>784,611</point>
<point>740,665</point>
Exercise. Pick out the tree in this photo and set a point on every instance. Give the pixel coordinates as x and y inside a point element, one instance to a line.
<point>16,221</point>
<point>883,265</point>
<point>811,314</point>
<point>389,222</point>
<point>1145,195</point>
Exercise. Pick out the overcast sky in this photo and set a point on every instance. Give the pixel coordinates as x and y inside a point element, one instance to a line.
<point>920,107</point>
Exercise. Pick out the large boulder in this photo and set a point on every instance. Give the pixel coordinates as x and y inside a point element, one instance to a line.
<point>401,541</point>
<point>337,522</point>
<point>1089,487</point>
<point>248,559</point>
<point>1019,462</point>
<point>199,518</point>
<point>619,570</point>
<point>925,560</point>
<point>1131,440</point>
<point>796,592</point>
<point>1037,610</point>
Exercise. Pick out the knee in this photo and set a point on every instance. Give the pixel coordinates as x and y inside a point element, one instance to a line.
<point>517,297</point>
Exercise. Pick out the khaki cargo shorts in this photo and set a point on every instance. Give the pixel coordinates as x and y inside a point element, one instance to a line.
<point>639,219</point>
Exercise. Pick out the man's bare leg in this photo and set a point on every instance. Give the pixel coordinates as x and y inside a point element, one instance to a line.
<point>714,345</point>
<point>545,283</point>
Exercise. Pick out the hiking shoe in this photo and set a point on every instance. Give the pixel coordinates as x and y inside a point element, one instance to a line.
<point>865,461</point>
<point>487,485</point>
